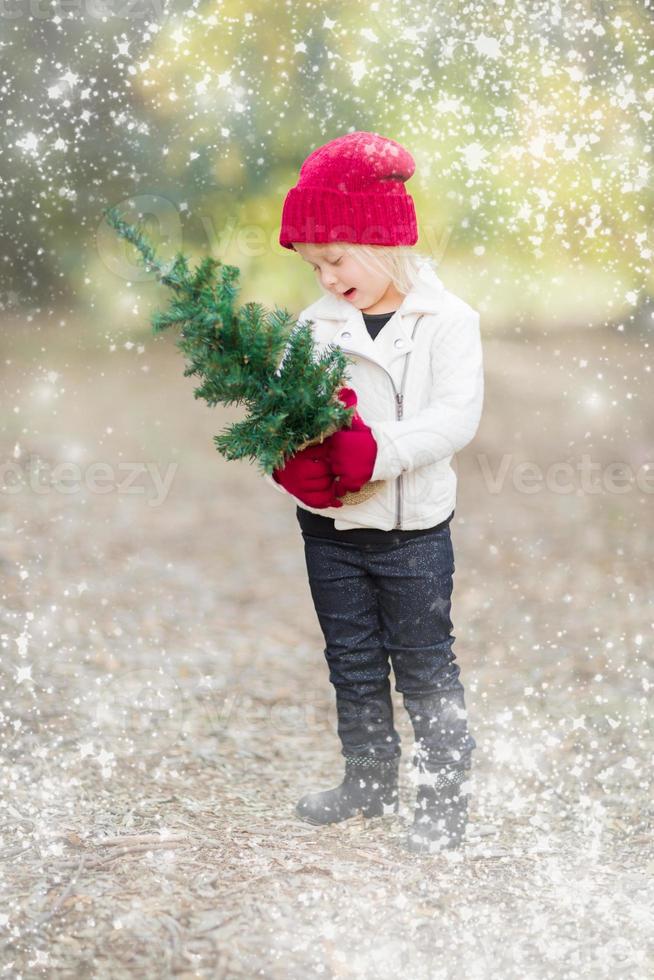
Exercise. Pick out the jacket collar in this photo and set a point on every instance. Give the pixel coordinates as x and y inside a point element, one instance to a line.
<point>395,340</point>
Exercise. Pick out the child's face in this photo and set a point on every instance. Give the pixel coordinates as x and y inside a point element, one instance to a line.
<point>342,274</point>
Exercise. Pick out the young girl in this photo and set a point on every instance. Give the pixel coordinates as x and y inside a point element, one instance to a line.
<point>380,572</point>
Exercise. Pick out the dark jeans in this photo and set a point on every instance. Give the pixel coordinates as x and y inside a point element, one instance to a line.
<point>377,602</point>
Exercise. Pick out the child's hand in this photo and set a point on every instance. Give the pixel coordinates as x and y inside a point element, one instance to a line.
<point>307,475</point>
<point>353,451</point>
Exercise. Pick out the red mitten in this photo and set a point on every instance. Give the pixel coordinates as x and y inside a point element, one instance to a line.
<point>353,451</point>
<point>307,475</point>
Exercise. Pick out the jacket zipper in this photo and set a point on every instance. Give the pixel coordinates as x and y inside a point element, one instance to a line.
<point>399,409</point>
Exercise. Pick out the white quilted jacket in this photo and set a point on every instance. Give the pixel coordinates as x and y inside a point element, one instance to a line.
<point>420,387</point>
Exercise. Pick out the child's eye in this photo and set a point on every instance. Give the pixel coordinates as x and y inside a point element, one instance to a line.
<point>336,262</point>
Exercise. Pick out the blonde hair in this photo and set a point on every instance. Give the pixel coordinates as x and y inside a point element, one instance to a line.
<point>401,263</point>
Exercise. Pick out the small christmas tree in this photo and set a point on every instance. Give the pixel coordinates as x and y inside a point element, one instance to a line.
<point>236,353</point>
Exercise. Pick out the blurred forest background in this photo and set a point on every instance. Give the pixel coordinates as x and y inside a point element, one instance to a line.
<point>530,124</point>
<point>164,698</point>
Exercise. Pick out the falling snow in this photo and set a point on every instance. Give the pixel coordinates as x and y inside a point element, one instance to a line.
<point>164,700</point>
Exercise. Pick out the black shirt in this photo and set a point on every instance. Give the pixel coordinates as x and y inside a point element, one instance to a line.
<point>316,525</point>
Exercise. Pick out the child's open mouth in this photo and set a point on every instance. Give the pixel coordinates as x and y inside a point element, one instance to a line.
<point>350,292</point>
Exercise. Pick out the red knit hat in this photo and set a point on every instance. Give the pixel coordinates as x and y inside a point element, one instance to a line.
<point>352,190</point>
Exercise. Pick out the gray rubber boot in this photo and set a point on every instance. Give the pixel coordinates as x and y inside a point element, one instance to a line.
<point>441,814</point>
<point>369,786</point>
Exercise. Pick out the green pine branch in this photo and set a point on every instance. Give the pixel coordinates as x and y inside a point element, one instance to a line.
<point>235,352</point>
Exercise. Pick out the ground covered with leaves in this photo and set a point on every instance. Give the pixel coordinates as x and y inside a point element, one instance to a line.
<point>165,699</point>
